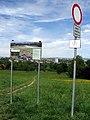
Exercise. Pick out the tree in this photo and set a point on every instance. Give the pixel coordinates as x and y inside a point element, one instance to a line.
<point>25,66</point>
<point>44,66</point>
<point>86,71</point>
<point>51,66</point>
<point>80,66</point>
<point>88,63</point>
<point>62,67</point>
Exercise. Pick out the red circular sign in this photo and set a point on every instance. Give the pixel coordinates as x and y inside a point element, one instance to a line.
<point>77,14</point>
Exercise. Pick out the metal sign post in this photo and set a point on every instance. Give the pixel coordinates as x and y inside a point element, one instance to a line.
<point>77,17</point>
<point>74,80</point>
<point>11,82</point>
<point>38,84</point>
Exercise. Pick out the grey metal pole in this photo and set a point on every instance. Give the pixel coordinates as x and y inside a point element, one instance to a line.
<point>38,84</point>
<point>11,82</point>
<point>74,81</point>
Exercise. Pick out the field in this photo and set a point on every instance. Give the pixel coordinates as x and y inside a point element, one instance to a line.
<point>55,97</point>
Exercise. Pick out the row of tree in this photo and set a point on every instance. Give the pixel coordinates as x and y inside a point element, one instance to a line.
<point>82,68</point>
<point>82,71</point>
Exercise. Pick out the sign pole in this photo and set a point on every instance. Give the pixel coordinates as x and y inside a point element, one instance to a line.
<point>77,17</point>
<point>11,82</point>
<point>74,80</point>
<point>38,84</point>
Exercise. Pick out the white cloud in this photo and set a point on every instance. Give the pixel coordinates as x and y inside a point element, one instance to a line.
<point>10,11</point>
<point>69,34</point>
<point>37,30</point>
<point>49,20</point>
<point>22,22</point>
<point>41,10</point>
<point>85,42</point>
<point>21,37</point>
<point>55,48</point>
<point>87,26</point>
<point>86,31</point>
<point>59,51</point>
<point>4,48</point>
<point>55,43</point>
<point>36,39</point>
<point>10,26</point>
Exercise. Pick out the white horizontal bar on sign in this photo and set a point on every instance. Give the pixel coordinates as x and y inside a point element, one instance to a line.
<point>77,35</point>
<point>76,31</point>
<point>13,50</point>
<point>75,43</point>
<point>77,28</point>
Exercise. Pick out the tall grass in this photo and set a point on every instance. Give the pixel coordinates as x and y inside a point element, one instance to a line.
<point>55,98</point>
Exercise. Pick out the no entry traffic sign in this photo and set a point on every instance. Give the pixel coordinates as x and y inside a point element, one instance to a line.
<point>77,14</point>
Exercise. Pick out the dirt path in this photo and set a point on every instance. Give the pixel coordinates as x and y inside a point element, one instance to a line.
<point>23,86</point>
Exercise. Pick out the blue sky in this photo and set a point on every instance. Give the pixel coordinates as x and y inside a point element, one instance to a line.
<point>49,21</point>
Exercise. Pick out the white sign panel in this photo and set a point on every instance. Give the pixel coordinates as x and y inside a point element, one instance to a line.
<point>36,53</point>
<point>75,43</point>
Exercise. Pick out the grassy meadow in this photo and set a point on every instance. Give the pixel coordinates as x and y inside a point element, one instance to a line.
<point>55,97</point>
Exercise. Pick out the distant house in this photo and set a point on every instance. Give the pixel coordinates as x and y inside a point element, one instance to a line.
<point>56,60</point>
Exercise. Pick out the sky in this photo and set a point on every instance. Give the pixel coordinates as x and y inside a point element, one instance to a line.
<point>49,21</point>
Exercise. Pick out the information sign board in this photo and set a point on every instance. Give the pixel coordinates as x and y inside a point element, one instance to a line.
<point>26,50</point>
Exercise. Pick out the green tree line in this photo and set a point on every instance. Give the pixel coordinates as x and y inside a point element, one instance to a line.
<point>82,67</point>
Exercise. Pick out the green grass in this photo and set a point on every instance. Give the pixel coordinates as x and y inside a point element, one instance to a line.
<point>19,78</point>
<point>55,97</point>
